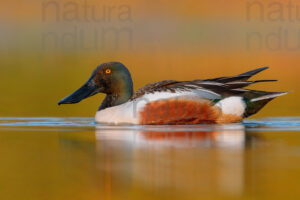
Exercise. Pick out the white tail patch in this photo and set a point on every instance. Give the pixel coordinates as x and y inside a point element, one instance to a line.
<point>269,96</point>
<point>232,105</point>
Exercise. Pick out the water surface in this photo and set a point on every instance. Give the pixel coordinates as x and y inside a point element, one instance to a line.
<point>74,158</point>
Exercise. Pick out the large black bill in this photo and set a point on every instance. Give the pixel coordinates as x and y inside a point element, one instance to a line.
<point>87,90</point>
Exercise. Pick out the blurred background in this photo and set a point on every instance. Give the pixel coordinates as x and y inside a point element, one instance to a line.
<point>49,48</point>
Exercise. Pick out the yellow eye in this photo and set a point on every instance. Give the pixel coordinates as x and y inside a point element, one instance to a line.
<point>107,71</point>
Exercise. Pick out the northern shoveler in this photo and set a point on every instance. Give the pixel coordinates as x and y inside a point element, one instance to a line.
<point>208,101</point>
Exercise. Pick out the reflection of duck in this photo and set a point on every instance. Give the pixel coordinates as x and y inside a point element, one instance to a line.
<point>210,101</point>
<point>205,136</point>
<point>195,159</point>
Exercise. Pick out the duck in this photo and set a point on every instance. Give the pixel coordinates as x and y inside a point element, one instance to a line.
<point>221,100</point>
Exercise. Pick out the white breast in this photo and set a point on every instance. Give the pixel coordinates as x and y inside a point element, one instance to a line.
<point>121,114</point>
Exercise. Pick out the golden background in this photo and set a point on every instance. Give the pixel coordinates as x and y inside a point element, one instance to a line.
<point>160,40</point>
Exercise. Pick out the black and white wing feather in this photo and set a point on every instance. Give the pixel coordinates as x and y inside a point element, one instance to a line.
<point>216,88</point>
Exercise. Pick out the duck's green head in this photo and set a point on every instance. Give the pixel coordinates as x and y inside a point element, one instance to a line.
<point>111,78</point>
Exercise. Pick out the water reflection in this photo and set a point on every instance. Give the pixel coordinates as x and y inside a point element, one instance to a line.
<point>180,160</point>
<point>72,158</point>
<point>227,136</point>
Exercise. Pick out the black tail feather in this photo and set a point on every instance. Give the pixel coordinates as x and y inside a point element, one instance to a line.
<point>253,72</point>
<point>256,100</point>
<point>260,81</point>
<point>241,77</point>
<point>242,84</point>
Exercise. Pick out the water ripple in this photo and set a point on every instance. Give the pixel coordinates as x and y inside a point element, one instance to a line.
<point>264,124</point>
